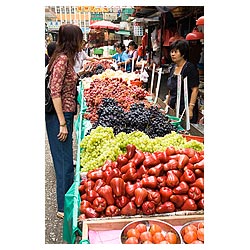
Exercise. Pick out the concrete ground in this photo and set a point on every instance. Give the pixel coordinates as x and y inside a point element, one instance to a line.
<point>53,225</point>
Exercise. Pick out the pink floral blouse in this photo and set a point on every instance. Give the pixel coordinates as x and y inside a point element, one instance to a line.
<point>66,89</point>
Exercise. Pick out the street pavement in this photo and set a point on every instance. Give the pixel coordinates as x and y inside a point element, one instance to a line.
<point>53,225</point>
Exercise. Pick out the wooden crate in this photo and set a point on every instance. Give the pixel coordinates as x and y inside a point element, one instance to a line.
<point>105,224</point>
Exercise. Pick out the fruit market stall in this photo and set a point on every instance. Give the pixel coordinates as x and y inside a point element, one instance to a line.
<point>133,162</point>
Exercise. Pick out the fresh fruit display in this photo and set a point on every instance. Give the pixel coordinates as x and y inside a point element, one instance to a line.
<point>98,67</point>
<point>144,183</point>
<point>193,232</point>
<point>123,93</point>
<point>117,74</point>
<point>149,232</point>
<point>150,120</point>
<point>101,145</point>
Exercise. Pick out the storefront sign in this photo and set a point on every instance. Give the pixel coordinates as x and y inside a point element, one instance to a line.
<point>53,25</point>
<point>95,9</point>
<point>110,16</point>
<point>97,16</point>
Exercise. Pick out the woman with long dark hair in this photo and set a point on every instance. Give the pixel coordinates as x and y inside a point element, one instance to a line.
<point>59,125</point>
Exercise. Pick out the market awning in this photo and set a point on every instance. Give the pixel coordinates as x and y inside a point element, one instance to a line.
<point>145,20</point>
<point>104,25</point>
<point>153,11</point>
<point>123,32</point>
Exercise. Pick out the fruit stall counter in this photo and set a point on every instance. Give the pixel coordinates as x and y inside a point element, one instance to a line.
<point>145,156</point>
<point>109,230</point>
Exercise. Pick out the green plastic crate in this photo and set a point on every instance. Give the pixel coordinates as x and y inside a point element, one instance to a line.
<point>98,51</point>
<point>112,51</point>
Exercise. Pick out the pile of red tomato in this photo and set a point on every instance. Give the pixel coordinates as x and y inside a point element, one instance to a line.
<point>193,233</point>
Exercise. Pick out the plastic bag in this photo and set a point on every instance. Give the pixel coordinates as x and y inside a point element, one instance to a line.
<point>144,76</point>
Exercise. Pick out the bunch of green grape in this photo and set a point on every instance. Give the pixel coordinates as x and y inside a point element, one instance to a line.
<point>101,145</point>
<point>97,147</point>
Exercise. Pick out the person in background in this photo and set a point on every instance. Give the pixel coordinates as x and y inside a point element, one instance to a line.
<point>127,41</point>
<point>179,51</point>
<point>50,49</point>
<point>144,43</point>
<point>120,56</point>
<point>46,59</point>
<point>143,60</point>
<point>59,125</point>
<point>80,60</point>
<point>140,53</point>
<point>132,56</point>
<point>87,48</point>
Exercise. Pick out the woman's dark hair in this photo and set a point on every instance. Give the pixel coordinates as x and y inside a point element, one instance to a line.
<point>182,46</point>
<point>120,46</point>
<point>69,42</point>
<point>132,43</point>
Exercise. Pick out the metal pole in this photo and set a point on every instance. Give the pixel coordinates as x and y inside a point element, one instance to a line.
<point>70,18</point>
<point>56,13</point>
<point>65,14</point>
<point>85,34</point>
<point>158,85</point>
<point>61,14</point>
<point>80,19</point>
<point>75,21</point>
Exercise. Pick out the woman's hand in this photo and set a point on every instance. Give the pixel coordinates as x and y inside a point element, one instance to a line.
<point>63,133</point>
<point>91,68</point>
<point>85,69</point>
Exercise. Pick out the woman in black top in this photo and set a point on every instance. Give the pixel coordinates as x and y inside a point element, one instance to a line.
<point>179,53</point>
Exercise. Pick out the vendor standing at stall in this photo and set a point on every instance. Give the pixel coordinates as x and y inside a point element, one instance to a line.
<point>132,56</point>
<point>179,51</point>
<point>80,60</point>
<point>120,56</point>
